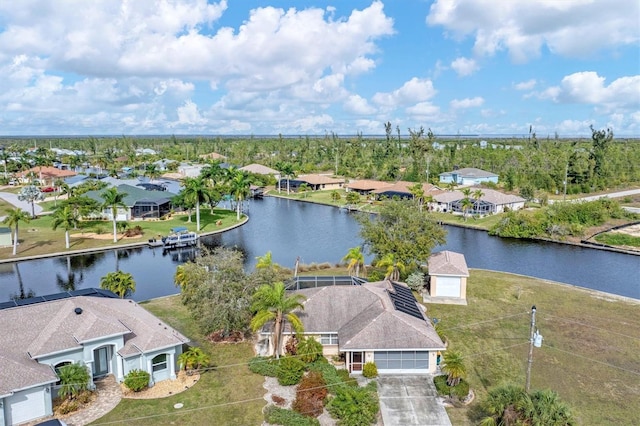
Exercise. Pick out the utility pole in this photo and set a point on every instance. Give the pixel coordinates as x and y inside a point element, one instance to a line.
<point>527,385</point>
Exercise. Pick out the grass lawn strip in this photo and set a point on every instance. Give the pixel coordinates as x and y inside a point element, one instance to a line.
<point>589,354</point>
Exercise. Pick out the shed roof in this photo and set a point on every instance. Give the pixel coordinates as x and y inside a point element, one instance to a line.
<point>448,263</point>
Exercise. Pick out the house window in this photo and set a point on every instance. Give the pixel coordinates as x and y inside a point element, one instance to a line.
<point>159,362</point>
<point>329,339</point>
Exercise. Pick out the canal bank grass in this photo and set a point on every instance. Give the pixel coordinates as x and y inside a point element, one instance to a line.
<point>38,238</point>
<point>589,353</point>
<point>227,395</point>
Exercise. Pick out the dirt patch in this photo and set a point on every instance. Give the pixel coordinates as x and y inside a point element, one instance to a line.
<point>164,388</point>
<point>633,230</point>
<point>106,236</point>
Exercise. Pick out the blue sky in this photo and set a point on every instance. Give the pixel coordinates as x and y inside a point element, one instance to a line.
<point>488,67</point>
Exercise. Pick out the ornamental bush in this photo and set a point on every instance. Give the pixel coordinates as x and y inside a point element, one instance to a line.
<point>264,366</point>
<point>354,406</point>
<point>310,395</point>
<point>370,370</point>
<point>415,281</point>
<point>137,380</point>
<point>290,371</point>
<point>280,416</point>
<point>309,349</point>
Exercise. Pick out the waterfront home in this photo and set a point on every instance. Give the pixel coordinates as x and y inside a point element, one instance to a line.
<point>468,176</point>
<point>378,322</point>
<point>366,186</point>
<point>140,203</point>
<point>108,335</point>
<point>46,175</point>
<point>259,169</point>
<point>402,189</point>
<point>490,202</point>
<point>447,282</point>
<point>315,182</point>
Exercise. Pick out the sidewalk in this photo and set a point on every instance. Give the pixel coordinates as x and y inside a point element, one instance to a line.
<point>13,199</point>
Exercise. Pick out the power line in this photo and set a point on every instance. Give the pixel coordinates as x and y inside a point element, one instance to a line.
<point>484,322</point>
<point>593,326</point>
<point>637,373</point>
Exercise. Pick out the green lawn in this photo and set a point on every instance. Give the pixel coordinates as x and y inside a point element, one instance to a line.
<point>228,395</point>
<point>38,238</point>
<point>589,353</point>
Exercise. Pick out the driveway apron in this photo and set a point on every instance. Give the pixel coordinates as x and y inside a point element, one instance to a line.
<point>410,400</point>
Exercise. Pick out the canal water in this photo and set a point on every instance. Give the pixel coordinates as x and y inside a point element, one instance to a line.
<point>316,233</point>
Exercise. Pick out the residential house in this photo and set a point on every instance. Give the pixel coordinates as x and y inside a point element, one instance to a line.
<point>378,322</point>
<point>140,203</point>
<point>92,327</point>
<point>490,202</point>
<point>402,189</point>
<point>468,176</point>
<point>259,169</point>
<point>366,186</point>
<point>447,282</point>
<point>213,156</point>
<point>46,175</point>
<point>315,182</point>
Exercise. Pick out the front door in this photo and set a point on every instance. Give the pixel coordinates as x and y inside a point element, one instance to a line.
<point>356,361</point>
<point>101,362</point>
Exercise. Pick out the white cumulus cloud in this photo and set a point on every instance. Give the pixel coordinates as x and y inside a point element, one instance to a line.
<point>464,66</point>
<point>467,103</point>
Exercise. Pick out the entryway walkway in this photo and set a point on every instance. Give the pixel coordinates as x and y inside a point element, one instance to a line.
<point>109,395</point>
<point>410,401</point>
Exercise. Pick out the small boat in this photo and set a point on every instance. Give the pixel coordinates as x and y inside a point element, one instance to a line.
<point>180,237</point>
<point>155,242</point>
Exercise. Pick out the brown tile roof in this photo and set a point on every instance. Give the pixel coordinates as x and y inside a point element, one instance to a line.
<point>448,263</point>
<point>213,156</point>
<point>32,331</point>
<point>48,172</point>
<point>403,187</point>
<point>368,185</point>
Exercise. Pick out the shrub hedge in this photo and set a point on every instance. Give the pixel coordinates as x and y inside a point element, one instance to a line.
<point>290,371</point>
<point>265,366</point>
<point>137,380</point>
<point>280,416</point>
<point>460,391</point>
<point>310,395</point>
<point>370,370</point>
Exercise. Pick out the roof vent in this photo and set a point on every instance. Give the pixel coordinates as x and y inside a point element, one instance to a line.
<point>78,311</point>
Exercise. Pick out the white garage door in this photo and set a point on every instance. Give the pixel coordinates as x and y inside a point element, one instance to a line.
<point>401,361</point>
<point>26,405</point>
<point>448,287</point>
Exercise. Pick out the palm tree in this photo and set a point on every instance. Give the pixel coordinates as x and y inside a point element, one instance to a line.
<point>266,262</point>
<point>394,267</point>
<point>477,195</point>
<point>287,171</point>
<point>304,188</point>
<point>152,172</point>
<point>31,194</point>
<point>355,258</point>
<point>335,196</point>
<point>271,303</point>
<point>120,283</point>
<point>74,378</point>
<point>239,187</point>
<point>196,192</point>
<point>465,204</point>
<point>417,191</point>
<point>14,217</point>
<point>193,359</point>
<point>112,200</point>
<point>64,217</point>
<point>454,367</point>
<point>181,278</point>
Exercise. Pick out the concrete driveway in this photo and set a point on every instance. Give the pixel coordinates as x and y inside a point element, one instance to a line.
<point>410,400</point>
<point>13,199</point>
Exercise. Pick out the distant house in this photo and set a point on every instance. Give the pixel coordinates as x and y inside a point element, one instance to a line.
<point>213,156</point>
<point>163,165</point>
<point>146,151</point>
<point>259,169</point>
<point>108,335</point>
<point>141,203</point>
<point>316,182</point>
<point>468,176</point>
<point>401,189</point>
<point>447,281</point>
<point>366,186</point>
<point>378,322</point>
<point>46,175</point>
<point>491,202</point>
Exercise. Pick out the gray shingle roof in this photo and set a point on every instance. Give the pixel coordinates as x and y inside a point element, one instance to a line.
<point>470,172</point>
<point>134,194</point>
<point>31,331</point>
<point>364,318</point>
<point>448,263</point>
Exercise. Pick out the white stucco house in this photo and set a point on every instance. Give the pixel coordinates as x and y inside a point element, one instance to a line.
<point>447,281</point>
<point>378,322</point>
<point>93,327</point>
<point>468,176</point>
<point>491,202</point>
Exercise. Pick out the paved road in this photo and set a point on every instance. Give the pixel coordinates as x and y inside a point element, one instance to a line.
<point>618,194</point>
<point>410,401</point>
<point>13,199</point>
